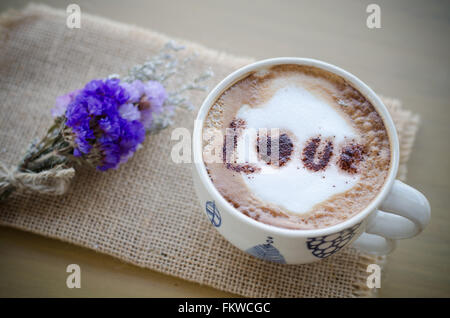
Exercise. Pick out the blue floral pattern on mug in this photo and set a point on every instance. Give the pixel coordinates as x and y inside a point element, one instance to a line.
<point>267,252</point>
<point>324,246</point>
<point>213,213</point>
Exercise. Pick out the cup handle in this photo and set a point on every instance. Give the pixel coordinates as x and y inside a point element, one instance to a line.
<point>404,213</point>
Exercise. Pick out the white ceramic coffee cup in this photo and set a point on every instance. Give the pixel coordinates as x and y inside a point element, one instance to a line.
<point>397,212</point>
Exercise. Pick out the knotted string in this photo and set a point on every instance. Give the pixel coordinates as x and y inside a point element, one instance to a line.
<point>54,181</point>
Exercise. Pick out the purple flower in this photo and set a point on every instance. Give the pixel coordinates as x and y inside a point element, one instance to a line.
<point>101,117</point>
<point>83,133</point>
<point>151,102</point>
<point>62,102</point>
<point>133,136</point>
<point>156,95</point>
<point>129,112</point>
<point>111,117</point>
<point>149,96</point>
<point>147,118</point>
<point>111,153</point>
<point>134,89</point>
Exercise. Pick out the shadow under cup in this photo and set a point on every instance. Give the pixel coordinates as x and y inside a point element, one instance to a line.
<point>283,245</point>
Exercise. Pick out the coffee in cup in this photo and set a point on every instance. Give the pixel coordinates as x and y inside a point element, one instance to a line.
<point>299,147</point>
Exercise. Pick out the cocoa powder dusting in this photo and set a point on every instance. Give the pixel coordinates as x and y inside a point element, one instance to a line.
<point>245,168</point>
<point>235,129</point>
<point>350,156</point>
<point>285,147</point>
<point>310,153</point>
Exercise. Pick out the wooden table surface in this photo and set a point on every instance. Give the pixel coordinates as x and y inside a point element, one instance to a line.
<point>407,58</point>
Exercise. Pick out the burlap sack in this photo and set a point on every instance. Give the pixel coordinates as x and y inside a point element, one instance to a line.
<point>146,212</point>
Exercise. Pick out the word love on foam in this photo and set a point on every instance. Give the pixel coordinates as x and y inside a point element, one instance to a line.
<point>242,148</point>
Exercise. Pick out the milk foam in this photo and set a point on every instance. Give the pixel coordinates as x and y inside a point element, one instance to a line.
<point>293,187</point>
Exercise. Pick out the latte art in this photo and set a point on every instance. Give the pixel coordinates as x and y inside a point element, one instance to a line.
<point>301,149</point>
<point>310,153</point>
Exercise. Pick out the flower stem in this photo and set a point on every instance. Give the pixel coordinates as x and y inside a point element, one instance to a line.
<point>50,152</point>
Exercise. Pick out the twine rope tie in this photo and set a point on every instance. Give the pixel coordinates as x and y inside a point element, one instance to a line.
<point>54,181</point>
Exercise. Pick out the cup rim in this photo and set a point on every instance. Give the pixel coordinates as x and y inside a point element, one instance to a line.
<point>243,72</point>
